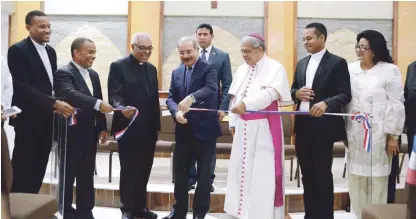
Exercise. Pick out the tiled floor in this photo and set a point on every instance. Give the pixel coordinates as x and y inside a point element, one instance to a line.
<point>114,213</point>
<point>160,179</point>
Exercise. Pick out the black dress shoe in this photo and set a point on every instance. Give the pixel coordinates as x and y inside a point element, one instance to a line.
<point>145,214</point>
<point>197,217</point>
<point>172,215</point>
<point>127,215</point>
<point>212,188</point>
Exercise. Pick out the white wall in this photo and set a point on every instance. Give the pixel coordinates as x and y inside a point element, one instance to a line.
<point>86,7</point>
<point>224,8</point>
<point>346,9</point>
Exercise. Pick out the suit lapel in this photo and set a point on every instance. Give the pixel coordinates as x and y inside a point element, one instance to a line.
<point>194,72</point>
<point>182,72</point>
<point>303,71</point>
<point>212,54</point>
<point>34,53</point>
<point>80,79</point>
<point>51,57</point>
<point>321,67</point>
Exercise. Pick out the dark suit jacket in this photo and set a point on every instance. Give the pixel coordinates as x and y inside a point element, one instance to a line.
<point>70,86</point>
<point>221,61</point>
<point>127,88</point>
<point>331,84</point>
<point>32,89</point>
<point>410,99</point>
<point>203,86</point>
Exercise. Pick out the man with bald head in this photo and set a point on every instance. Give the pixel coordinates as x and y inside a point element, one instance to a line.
<point>193,84</point>
<point>133,85</point>
<point>255,173</point>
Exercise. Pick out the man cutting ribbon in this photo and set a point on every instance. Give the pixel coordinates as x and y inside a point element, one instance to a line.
<point>255,174</point>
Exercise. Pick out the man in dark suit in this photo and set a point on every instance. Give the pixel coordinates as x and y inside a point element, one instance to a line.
<point>80,86</point>
<point>321,84</point>
<point>410,104</point>
<point>193,84</point>
<point>132,84</point>
<point>221,61</point>
<point>32,63</point>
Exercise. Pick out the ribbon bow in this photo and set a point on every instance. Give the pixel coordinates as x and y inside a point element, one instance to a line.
<point>364,118</point>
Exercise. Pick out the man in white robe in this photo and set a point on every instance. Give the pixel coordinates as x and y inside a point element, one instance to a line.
<point>255,174</point>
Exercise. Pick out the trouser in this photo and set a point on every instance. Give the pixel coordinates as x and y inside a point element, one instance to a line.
<point>33,142</point>
<point>365,190</point>
<point>314,153</point>
<point>194,171</point>
<point>186,147</point>
<point>136,161</point>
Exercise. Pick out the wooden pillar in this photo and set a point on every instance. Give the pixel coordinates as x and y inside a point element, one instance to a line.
<point>404,42</point>
<point>147,16</point>
<point>280,33</point>
<point>17,22</point>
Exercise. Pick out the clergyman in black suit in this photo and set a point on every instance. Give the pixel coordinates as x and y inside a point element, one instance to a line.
<point>132,82</point>
<point>79,85</point>
<point>221,61</point>
<point>321,84</point>
<point>32,63</point>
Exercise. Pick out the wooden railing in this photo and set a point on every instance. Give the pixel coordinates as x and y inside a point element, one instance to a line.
<point>163,94</point>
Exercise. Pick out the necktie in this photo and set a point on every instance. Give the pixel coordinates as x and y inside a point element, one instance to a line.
<point>203,55</point>
<point>188,77</point>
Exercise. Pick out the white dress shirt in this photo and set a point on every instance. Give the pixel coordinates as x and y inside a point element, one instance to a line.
<point>208,49</point>
<point>45,59</point>
<point>86,76</point>
<point>6,85</point>
<point>310,75</point>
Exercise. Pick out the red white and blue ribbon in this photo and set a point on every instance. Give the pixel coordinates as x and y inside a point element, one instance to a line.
<point>363,117</point>
<point>72,119</point>
<point>359,117</point>
<point>120,134</point>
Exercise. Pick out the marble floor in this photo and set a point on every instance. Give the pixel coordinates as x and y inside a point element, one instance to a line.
<point>103,213</point>
<point>160,179</point>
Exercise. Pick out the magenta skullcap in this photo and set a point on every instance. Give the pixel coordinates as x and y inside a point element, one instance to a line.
<point>257,35</point>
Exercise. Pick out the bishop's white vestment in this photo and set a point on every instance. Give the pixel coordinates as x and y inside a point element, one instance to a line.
<point>255,181</point>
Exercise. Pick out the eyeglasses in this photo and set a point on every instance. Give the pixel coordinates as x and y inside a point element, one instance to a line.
<point>144,48</point>
<point>361,48</point>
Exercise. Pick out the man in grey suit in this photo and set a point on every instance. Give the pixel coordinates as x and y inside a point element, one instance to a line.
<point>221,60</point>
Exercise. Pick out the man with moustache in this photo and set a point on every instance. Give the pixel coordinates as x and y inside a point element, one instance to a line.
<point>32,63</point>
<point>79,85</point>
<point>133,85</point>
<point>321,84</point>
<point>221,61</point>
<point>193,84</point>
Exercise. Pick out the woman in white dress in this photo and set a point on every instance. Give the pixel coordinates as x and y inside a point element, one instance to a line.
<point>376,88</point>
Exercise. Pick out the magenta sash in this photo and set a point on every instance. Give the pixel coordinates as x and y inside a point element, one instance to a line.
<point>276,131</point>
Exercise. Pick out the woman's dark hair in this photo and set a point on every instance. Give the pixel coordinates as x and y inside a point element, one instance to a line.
<point>377,44</point>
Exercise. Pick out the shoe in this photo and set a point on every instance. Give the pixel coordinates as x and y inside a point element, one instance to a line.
<point>145,214</point>
<point>197,217</point>
<point>127,215</point>
<point>212,188</point>
<point>172,215</point>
